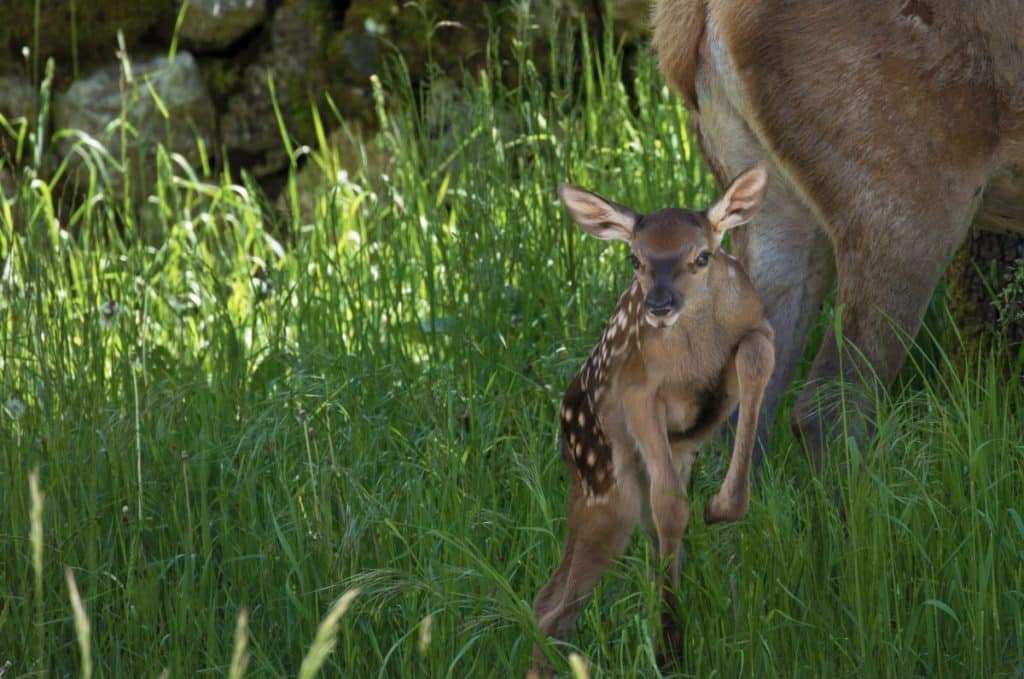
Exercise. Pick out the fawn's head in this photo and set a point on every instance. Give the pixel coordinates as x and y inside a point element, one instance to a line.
<point>672,249</point>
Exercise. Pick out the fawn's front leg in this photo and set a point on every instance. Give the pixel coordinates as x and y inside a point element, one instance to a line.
<point>754,361</point>
<point>670,509</point>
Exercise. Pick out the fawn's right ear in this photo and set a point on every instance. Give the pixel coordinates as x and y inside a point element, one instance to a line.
<point>741,200</point>
<point>599,217</point>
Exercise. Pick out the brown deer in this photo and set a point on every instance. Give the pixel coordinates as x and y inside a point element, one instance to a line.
<point>887,127</point>
<point>688,342</point>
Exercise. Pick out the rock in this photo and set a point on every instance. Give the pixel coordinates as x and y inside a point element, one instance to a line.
<point>362,50</point>
<point>17,97</point>
<point>94,104</point>
<point>454,36</point>
<point>450,33</point>
<point>305,58</point>
<point>217,24</point>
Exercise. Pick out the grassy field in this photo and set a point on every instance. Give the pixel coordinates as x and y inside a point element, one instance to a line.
<point>216,422</point>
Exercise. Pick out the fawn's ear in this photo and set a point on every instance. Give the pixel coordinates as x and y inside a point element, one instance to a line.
<point>599,217</point>
<point>740,202</point>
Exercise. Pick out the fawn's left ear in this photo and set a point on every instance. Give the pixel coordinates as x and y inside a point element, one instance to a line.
<point>739,203</point>
<point>599,217</point>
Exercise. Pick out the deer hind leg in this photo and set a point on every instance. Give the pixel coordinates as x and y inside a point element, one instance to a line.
<point>754,362</point>
<point>885,284</point>
<point>598,532</point>
<point>789,260</point>
<point>785,251</point>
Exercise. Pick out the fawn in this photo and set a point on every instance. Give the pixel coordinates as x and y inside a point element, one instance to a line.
<point>688,342</point>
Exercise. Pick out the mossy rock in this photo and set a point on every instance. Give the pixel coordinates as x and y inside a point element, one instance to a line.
<point>299,56</point>
<point>216,24</point>
<point>985,285</point>
<point>455,35</point>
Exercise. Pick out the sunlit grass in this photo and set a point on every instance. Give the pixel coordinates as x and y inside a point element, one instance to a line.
<point>237,416</point>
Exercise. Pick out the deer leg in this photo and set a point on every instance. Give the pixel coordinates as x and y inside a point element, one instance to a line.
<point>670,510</point>
<point>598,532</point>
<point>755,358</point>
<point>666,494</point>
<point>785,250</point>
<point>684,454</point>
<point>883,293</point>
<point>789,260</point>
<point>670,514</point>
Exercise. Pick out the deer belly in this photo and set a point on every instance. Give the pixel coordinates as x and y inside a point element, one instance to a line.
<point>1002,208</point>
<point>694,421</point>
<point>724,134</point>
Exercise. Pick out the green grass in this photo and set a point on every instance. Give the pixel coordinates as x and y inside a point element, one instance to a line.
<point>228,422</point>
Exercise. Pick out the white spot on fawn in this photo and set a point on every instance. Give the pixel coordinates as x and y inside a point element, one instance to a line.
<point>582,419</point>
<point>591,459</point>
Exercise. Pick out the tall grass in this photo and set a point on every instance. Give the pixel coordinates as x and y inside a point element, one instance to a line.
<point>232,428</point>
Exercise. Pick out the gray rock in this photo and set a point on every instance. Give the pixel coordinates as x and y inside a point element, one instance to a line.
<point>17,97</point>
<point>216,24</point>
<point>94,104</point>
<point>296,59</point>
<point>363,53</point>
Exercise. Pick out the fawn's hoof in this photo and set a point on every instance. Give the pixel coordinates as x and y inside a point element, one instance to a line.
<point>670,652</point>
<point>670,656</point>
<point>719,510</point>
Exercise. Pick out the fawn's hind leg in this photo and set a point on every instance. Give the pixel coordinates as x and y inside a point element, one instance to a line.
<point>598,531</point>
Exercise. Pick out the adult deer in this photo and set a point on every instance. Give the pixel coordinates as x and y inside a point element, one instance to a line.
<point>687,343</point>
<point>887,127</point>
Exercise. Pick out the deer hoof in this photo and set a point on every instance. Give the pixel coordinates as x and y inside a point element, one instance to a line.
<point>726,510</point>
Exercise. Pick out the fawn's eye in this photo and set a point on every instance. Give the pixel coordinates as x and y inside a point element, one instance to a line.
<point>634,261</point>
<point>702,258</point>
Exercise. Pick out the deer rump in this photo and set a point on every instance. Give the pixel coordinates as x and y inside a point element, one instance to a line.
<point>888,127</point>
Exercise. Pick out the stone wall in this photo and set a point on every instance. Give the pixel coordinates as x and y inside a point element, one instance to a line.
<point>229,53</point>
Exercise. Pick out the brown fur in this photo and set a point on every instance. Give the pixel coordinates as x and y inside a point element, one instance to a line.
<point>653,390</point>
<point>884,125</point>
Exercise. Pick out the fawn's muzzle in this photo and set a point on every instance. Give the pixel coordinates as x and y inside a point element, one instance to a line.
<point>661,301</point>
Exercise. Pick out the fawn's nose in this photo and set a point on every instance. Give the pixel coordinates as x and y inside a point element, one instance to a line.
<point>659,302</point>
